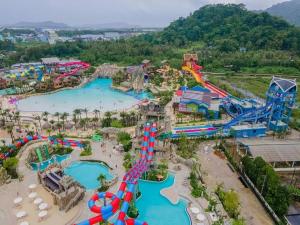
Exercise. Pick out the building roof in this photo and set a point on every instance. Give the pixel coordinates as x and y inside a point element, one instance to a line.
<point>52,60</point>
<point>284,84</point>
<point>274,150</point>
<point>189,57</point>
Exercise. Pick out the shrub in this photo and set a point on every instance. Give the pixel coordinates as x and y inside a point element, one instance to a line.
<point>10,165</point>
<point>132,211</point>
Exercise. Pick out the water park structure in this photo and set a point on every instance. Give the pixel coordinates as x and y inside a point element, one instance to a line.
<point>190,66</point>
<point>127,188</point>
<point>34,75</point>
<point>53,140</point>
<point>250,118</point>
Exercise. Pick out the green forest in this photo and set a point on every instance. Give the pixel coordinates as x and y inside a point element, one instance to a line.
<point>226,37</point>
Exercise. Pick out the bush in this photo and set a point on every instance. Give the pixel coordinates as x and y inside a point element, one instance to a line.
<point>10,165</point>
<point>116,123</point>
<point>132,211</point>
<point>230,201</point>
<point>125,139</point>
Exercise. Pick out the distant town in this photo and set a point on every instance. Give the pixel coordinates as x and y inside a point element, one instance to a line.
<point>52,33</point>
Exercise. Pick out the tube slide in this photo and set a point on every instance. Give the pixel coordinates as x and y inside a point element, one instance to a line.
<point>18,145</point>
<point>127,187</point>
<point>76,67</point>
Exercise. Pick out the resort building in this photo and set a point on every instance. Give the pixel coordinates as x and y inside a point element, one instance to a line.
<point>197,100</point>
<point>65,191</point>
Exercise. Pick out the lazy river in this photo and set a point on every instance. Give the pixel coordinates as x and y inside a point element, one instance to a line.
<point>96,94</point>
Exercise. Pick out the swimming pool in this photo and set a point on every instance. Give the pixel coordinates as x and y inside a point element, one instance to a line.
<point>86,173</point>
<point>156,209</point>
<point>55,158</point>
<point>96,94</point>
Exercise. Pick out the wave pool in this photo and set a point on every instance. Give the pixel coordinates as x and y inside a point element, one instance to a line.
<point>96,94</point>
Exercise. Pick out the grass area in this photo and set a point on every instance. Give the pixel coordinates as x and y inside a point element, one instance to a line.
<point>271,70</point>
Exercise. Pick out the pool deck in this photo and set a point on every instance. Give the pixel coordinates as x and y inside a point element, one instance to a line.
<point>81,212</point>
<point>171,194</point>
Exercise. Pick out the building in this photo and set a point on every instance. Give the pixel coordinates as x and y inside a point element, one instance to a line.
<point>52,37</point>
<point>283,93</point>
<point>282,155</point>
<point>248,130</point>
<point>198,100</point>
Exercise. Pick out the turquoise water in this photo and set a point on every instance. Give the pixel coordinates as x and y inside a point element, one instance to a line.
<point>156,209</point>
<point>86,173</point>
<point>97,94</point>
<point>2,92</point>
<point>45,164</point>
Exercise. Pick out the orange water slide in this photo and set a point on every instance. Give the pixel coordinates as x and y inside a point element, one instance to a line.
<point>199,78</point>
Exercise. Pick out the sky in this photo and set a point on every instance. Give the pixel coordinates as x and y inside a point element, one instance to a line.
<point>150,13</point>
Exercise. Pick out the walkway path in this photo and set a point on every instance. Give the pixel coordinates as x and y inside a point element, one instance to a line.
<point>218,172</point>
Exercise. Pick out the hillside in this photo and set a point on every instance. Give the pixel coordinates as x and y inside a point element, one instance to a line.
<point>289,10</point>
<point>229,27</point>
<point>226,37</point>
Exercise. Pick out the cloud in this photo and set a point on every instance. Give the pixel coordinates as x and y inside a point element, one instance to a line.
<point>138,12</point>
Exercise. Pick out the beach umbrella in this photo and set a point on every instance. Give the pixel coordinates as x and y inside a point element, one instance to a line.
<point>24,223</point>
<point>21,214</point>
<point>32,195</point>
<point>43,206</point>
<point>195,210</point>
<point>200,217</point>
<point>18,200</point>
<point>37,201</point>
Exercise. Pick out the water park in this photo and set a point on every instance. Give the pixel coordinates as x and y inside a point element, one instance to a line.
<point>135,145</point>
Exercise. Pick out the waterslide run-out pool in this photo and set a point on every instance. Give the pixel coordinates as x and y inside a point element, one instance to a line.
<point>156,209</point>
<point>86,173</point>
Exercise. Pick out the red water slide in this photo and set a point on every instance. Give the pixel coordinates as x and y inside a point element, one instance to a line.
<point>196,68</point>
<point>76,67</point>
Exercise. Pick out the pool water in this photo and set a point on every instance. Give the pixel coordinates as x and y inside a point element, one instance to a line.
<point>96,94</point>
<point>54,159</point>
<point>156,209</point>
<point>86,173</point>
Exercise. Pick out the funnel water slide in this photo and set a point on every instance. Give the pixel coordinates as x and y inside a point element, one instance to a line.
<point>127,188</point>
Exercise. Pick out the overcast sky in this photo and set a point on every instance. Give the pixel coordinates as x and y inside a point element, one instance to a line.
<point>136,12</point>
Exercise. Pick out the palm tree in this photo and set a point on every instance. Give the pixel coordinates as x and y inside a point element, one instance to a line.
<point>17,117</point>
<point>64,117</point>
<point>96,112</point>
<point>59,126</point>
<point>82,123</point>
<point>132,118</point>
<point>76,112</point>
<point>9,129</point>
<point>38,118</point>
<point>49,131</point>
<point>123,116</point>
<point>57,114</point>
<point>51,123</point>
<point>102,179</point>
<point>85,110</point>
<point>45,115</point>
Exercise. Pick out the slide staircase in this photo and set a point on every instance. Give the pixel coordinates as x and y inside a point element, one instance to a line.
<point>126,190</point>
